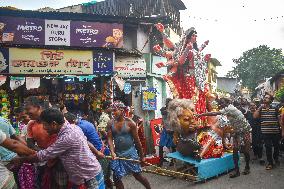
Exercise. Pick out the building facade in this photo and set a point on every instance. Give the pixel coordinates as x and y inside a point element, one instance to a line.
<point>136,62</point>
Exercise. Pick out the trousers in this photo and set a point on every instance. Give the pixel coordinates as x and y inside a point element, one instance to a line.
<point>272,141</point>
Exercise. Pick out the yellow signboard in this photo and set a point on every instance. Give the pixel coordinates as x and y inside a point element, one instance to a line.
<point>46,61</point>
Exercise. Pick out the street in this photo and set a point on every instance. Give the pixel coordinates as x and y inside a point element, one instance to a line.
<point>259,178</point>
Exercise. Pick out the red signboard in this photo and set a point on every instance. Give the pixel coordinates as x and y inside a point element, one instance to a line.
<point>156,127</point>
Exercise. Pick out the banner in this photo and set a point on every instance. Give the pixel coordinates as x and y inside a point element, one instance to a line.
<point>4,60</point>
<point>149,99</point>
<point>130,67</point>
<point>18,30</point>
<point>156,128</point>
<point>57,32</point>
<point>30,31</point>
<point>16,82</point>
<point>32,82</point>
<point>96,34</point>
<point>44,61</point>
<point>103,62</point>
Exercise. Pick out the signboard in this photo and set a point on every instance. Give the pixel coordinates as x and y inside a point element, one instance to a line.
<point>44,61</point>
<point>149,99</point>
<point>18,30</point>
<point>130,67</point>
<point>57,32</point>
<point>4,60</point>
<point>96,34</point>
<point>156,128</point>
<point>127,88</point>
<point>155,69</point>
<point>103,62</point>
<point>30,31</point>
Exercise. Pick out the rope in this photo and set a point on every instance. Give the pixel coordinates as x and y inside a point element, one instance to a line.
<point>159,170</point>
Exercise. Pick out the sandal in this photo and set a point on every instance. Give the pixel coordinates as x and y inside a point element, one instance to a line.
<point>235,174</point>
<point>269,167</point>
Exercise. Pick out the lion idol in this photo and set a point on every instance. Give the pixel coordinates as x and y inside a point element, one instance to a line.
<point>190,140</point>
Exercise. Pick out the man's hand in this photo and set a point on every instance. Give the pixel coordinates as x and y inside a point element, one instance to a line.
<point>142,159</point>
<point>100,155</point>
<point>113,155</point>
<point>16,162</point>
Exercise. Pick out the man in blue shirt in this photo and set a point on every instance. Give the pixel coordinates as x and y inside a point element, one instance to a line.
<point>91,133</point>
<point>88,129</point>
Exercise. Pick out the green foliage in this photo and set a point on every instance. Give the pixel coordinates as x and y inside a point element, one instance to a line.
<point>257,64</point>
<point>279,95</point>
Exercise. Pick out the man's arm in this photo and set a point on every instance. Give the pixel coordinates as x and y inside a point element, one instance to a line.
<point>110,139</point>
<point>17,147</point>
<point>55,150</point>
<point>137,142</point>
<point>256,114</point>
<point>98,154</point>
<point>18,138</point>
<point>210,114</point>
<point>31,144</point>
<point>18,161</point>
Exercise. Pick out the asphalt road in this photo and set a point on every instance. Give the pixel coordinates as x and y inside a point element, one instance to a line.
<point>259,178</point>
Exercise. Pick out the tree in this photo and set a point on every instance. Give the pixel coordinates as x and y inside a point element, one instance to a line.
<point>257,64</point>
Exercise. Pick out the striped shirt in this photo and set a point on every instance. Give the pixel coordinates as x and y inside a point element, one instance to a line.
<point>72,148</point>
<point>269,121</point>
<point>4,172</point>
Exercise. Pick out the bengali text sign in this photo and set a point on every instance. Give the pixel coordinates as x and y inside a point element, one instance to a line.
<point>45,61</point>
<point>103,62</point>
<point>130,67</point>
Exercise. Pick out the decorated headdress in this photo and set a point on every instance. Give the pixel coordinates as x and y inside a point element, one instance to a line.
<point>190,31</point>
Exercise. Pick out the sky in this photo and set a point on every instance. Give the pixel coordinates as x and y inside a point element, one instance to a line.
<point>234,26</point>
<point>231,26</point>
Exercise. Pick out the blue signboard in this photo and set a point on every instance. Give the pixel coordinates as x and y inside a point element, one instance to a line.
<point>127,88</point>
<point>103,62</point>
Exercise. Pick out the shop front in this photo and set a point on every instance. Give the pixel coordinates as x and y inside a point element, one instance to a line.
<point>80,79</point>
<point>58,58</point>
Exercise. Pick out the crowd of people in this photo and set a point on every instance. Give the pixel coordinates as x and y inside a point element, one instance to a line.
<point>250,125</point>
<point>55,149</point>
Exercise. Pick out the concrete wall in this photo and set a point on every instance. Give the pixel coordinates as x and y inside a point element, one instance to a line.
<point>130,37</point>
<point>226,84</point>
<point>74,9</point>
<point>158,84</point>
<point>142,38</point>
